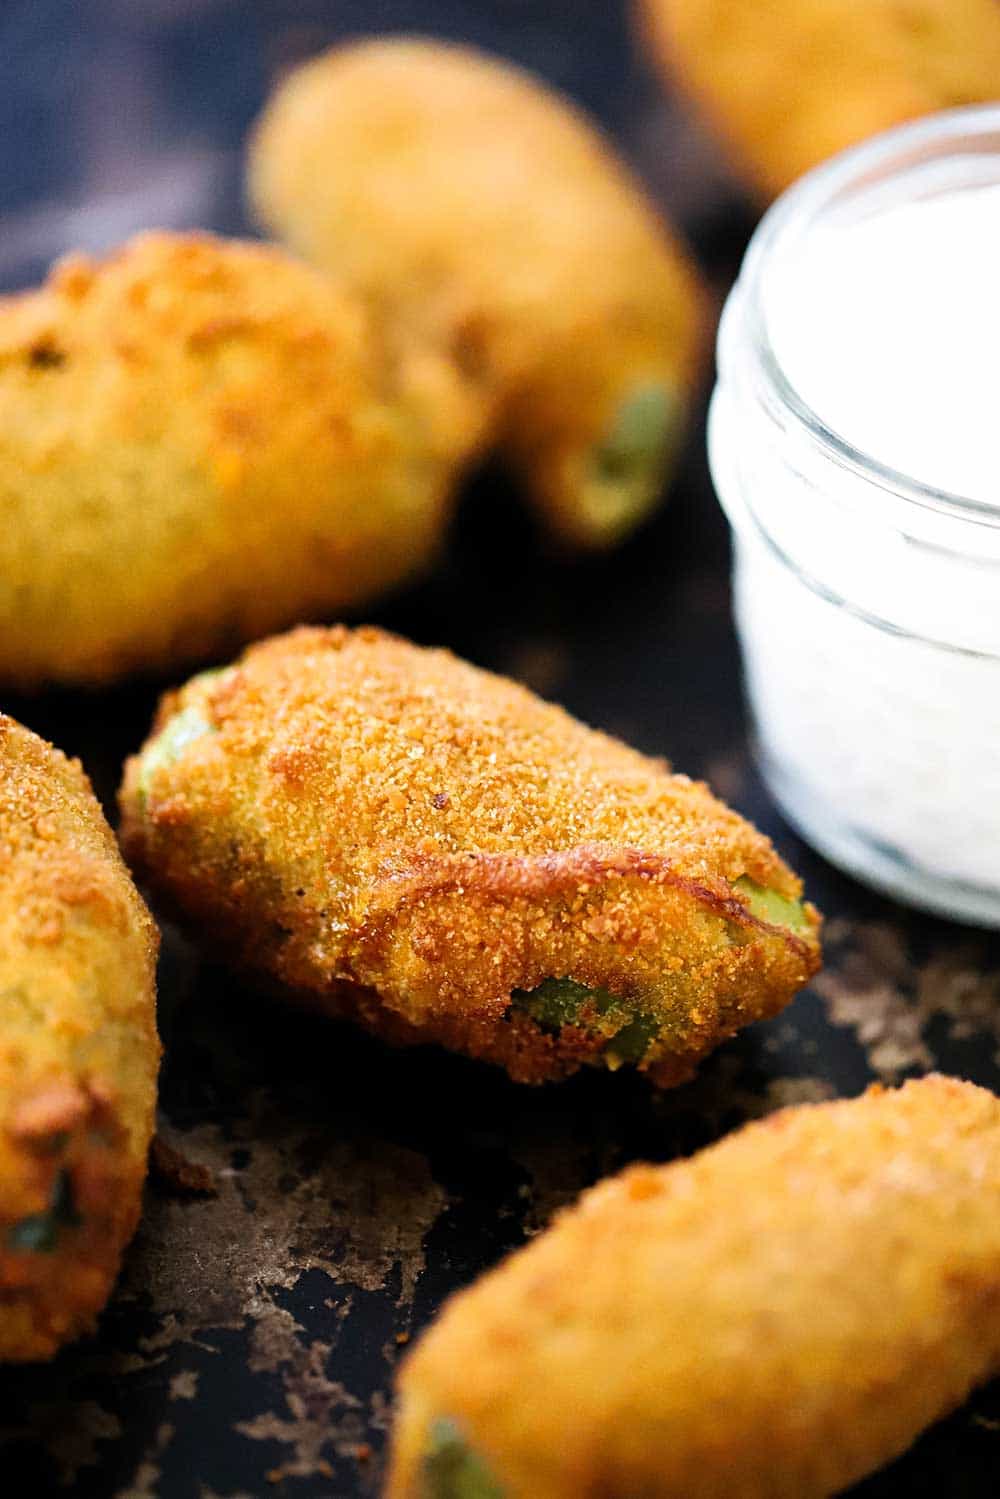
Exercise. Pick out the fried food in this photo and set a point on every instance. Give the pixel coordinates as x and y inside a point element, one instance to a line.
<point>476,206</point>
<point>788,83</point>
<point>200,441</point>
<point>78,1049</point>
<point>774,1318</point>
<point>433,851</point>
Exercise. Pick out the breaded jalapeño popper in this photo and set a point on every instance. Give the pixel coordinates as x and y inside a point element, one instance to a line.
<point>787,83</point>
<point>202,440</point>
<point>434,851</point>
<point>475,205</point>
<point>772,1319</point>
<point>78,1049</point>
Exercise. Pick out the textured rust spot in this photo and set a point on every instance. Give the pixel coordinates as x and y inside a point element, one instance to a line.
<point>873,987</point>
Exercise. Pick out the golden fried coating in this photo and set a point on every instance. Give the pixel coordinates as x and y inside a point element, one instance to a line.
<point>772,1319</point>
<point>434,851</point>
<point>789,82</point>
<point>200,441</point>
<point>78,1049</point>
<point>474,205</point>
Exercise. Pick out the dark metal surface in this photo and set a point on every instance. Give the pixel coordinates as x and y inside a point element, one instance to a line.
<point>250,1347</point>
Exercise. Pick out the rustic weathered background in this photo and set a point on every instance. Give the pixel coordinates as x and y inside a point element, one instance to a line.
<point>250,1347</point>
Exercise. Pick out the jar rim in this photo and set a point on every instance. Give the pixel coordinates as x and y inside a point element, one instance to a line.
<point>971,130</point>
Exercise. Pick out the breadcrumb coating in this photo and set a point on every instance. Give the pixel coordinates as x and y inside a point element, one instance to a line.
<point>420,845</point>
<point>774,1318</point>
<point>790,82</point>
<point>202,440</point>
<point>471,203</point>
<point>78,1049</point>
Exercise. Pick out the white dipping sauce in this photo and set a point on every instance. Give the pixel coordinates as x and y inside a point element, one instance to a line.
<point>889,328</point>
<point>868,607</point>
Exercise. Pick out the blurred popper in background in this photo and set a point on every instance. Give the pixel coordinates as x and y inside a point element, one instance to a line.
<point>202,440</point>
<point>478,209</point>
<point>772,1319</point>
<point>78,1049</point>
<point>787,83</point>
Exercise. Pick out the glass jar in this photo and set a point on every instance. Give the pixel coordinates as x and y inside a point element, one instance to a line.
<point>867,601</point>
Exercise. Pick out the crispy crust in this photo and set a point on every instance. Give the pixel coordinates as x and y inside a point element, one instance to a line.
<point>78,1048</point>
<point>202,440</point>
<point>476,206</point>
<point>785,1311</point>
<point>552,876</point>
<point>788,83</point>
<point>409,840</point>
